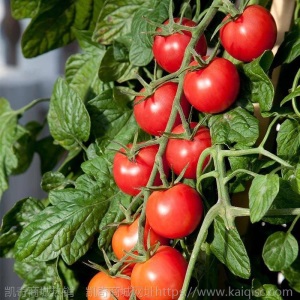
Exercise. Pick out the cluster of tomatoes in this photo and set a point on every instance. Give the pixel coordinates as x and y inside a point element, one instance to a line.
<point>174,212</point>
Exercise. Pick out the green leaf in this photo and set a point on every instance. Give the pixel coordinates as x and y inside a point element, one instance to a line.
<point>256,85</point>
<point>141,48</point>
<point>67,228</point>
<point>69,121</point>
<point>14,222</point>
<point>267,292</point>
<point>53,181</point>
<point>289,50</point>
<point>22,9</point>
<point>42,281</point>
<point>113,70</point>
<point>236,127</point>
<point>8,136</point>
<point>288,139</point>
<point>228,247</point>
<point>280,250</point>
<point>263,190</point>
<point>115,19</point>
<point>51,27</point>
<point>292,275</point>
<point>291,95</point>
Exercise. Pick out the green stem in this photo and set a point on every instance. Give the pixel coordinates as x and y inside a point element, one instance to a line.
<point>293,224</point>
<point>235,172</point>
<point>245,212</point>
<point>22,110</point>
<point>295,84</point>
<point>268,131</point>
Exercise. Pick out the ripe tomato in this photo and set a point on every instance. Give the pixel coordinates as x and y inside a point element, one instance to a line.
<point>103,286</point>
<point>214,88</point>
<point>126,237</point>
<point>248,36</point>
<point>132,174</point>
<point>161,277</point>
<point>176,212</point>
<point>180,152</point>
<point>169,50</point>
<point>153,114</point>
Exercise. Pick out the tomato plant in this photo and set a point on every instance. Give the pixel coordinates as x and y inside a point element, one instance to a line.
<point>126,237</point>
<point>134,102</point>
<point>247,36</point>
<point>103,286</point>
<point>176,212</point>
<point>214,88</point>
<point>168,50</point>
<point>153,113</point>
<point>161,276</point>
<point>183,154</point>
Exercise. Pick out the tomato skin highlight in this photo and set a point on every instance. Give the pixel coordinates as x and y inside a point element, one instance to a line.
<point>161,277</point>
<point>102,286</point>
<point>131,175</point>
<point>152,114</point>
<point>214,88</point>
<point>176,212</point>
<point>248,36</point>
<point>180,152</point>
<point>169,50</point>
<point>126,237</point>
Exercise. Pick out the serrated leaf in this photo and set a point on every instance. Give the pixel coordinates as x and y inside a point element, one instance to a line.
<point>288,139</point>
<point>42,281</point>
<point>280,250</point>
<point>51,27</point>
<point>236,127</point>
<point>228,247</point>
<point>8,136</point>
<point>22,9</point>
<point>256,85</point>
<point>14,222</point>
<point>67,228</point>
<point>69,121</point>
<point>53,181</point>
<point>115,19</point>
<point>141,48</point>
<point>263,190</point>
<point>289,50</point>
<point>113,70</point>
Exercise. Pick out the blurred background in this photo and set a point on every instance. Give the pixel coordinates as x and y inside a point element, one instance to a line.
<point>21,81</point>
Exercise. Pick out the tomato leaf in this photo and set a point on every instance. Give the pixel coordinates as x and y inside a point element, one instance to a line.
<point>263,190</point>
<point>280,250</point>
<point>256,85</point>
<point>67,228</point>
<point>289,50</point>
<point>14,222</point>
<point>68,118</point>
<point>52,26</point>
<point>236,127</point>
<point>290,96</point>
<point>22,9</point>
<point>53,181</point>
<point>228,247</point>
<point>115,19</point>
<point>141,48</point>
<point>292,275</point>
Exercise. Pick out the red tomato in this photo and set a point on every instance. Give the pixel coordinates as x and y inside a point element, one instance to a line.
<point>176,212</point>
<point>169,50</point>
<point>180,152</point>
<point>161,277</point>
<point>248,36</point>
<point>153,114</point>
<point>102,286</point>
<point>126,237</point>
<point>132,174</point>
<point>214,88</point>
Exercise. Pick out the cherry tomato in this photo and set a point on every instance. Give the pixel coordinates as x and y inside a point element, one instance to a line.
<point>103,286</point>
<point>248,36</point>
<point>176,212</point>
<point>153,114</point>
<point>161,277</point>
<point>126,237</point>
<point>181,152</point>
<point>214,88</point>
<point>132,174</point>
<point>169,50</point>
